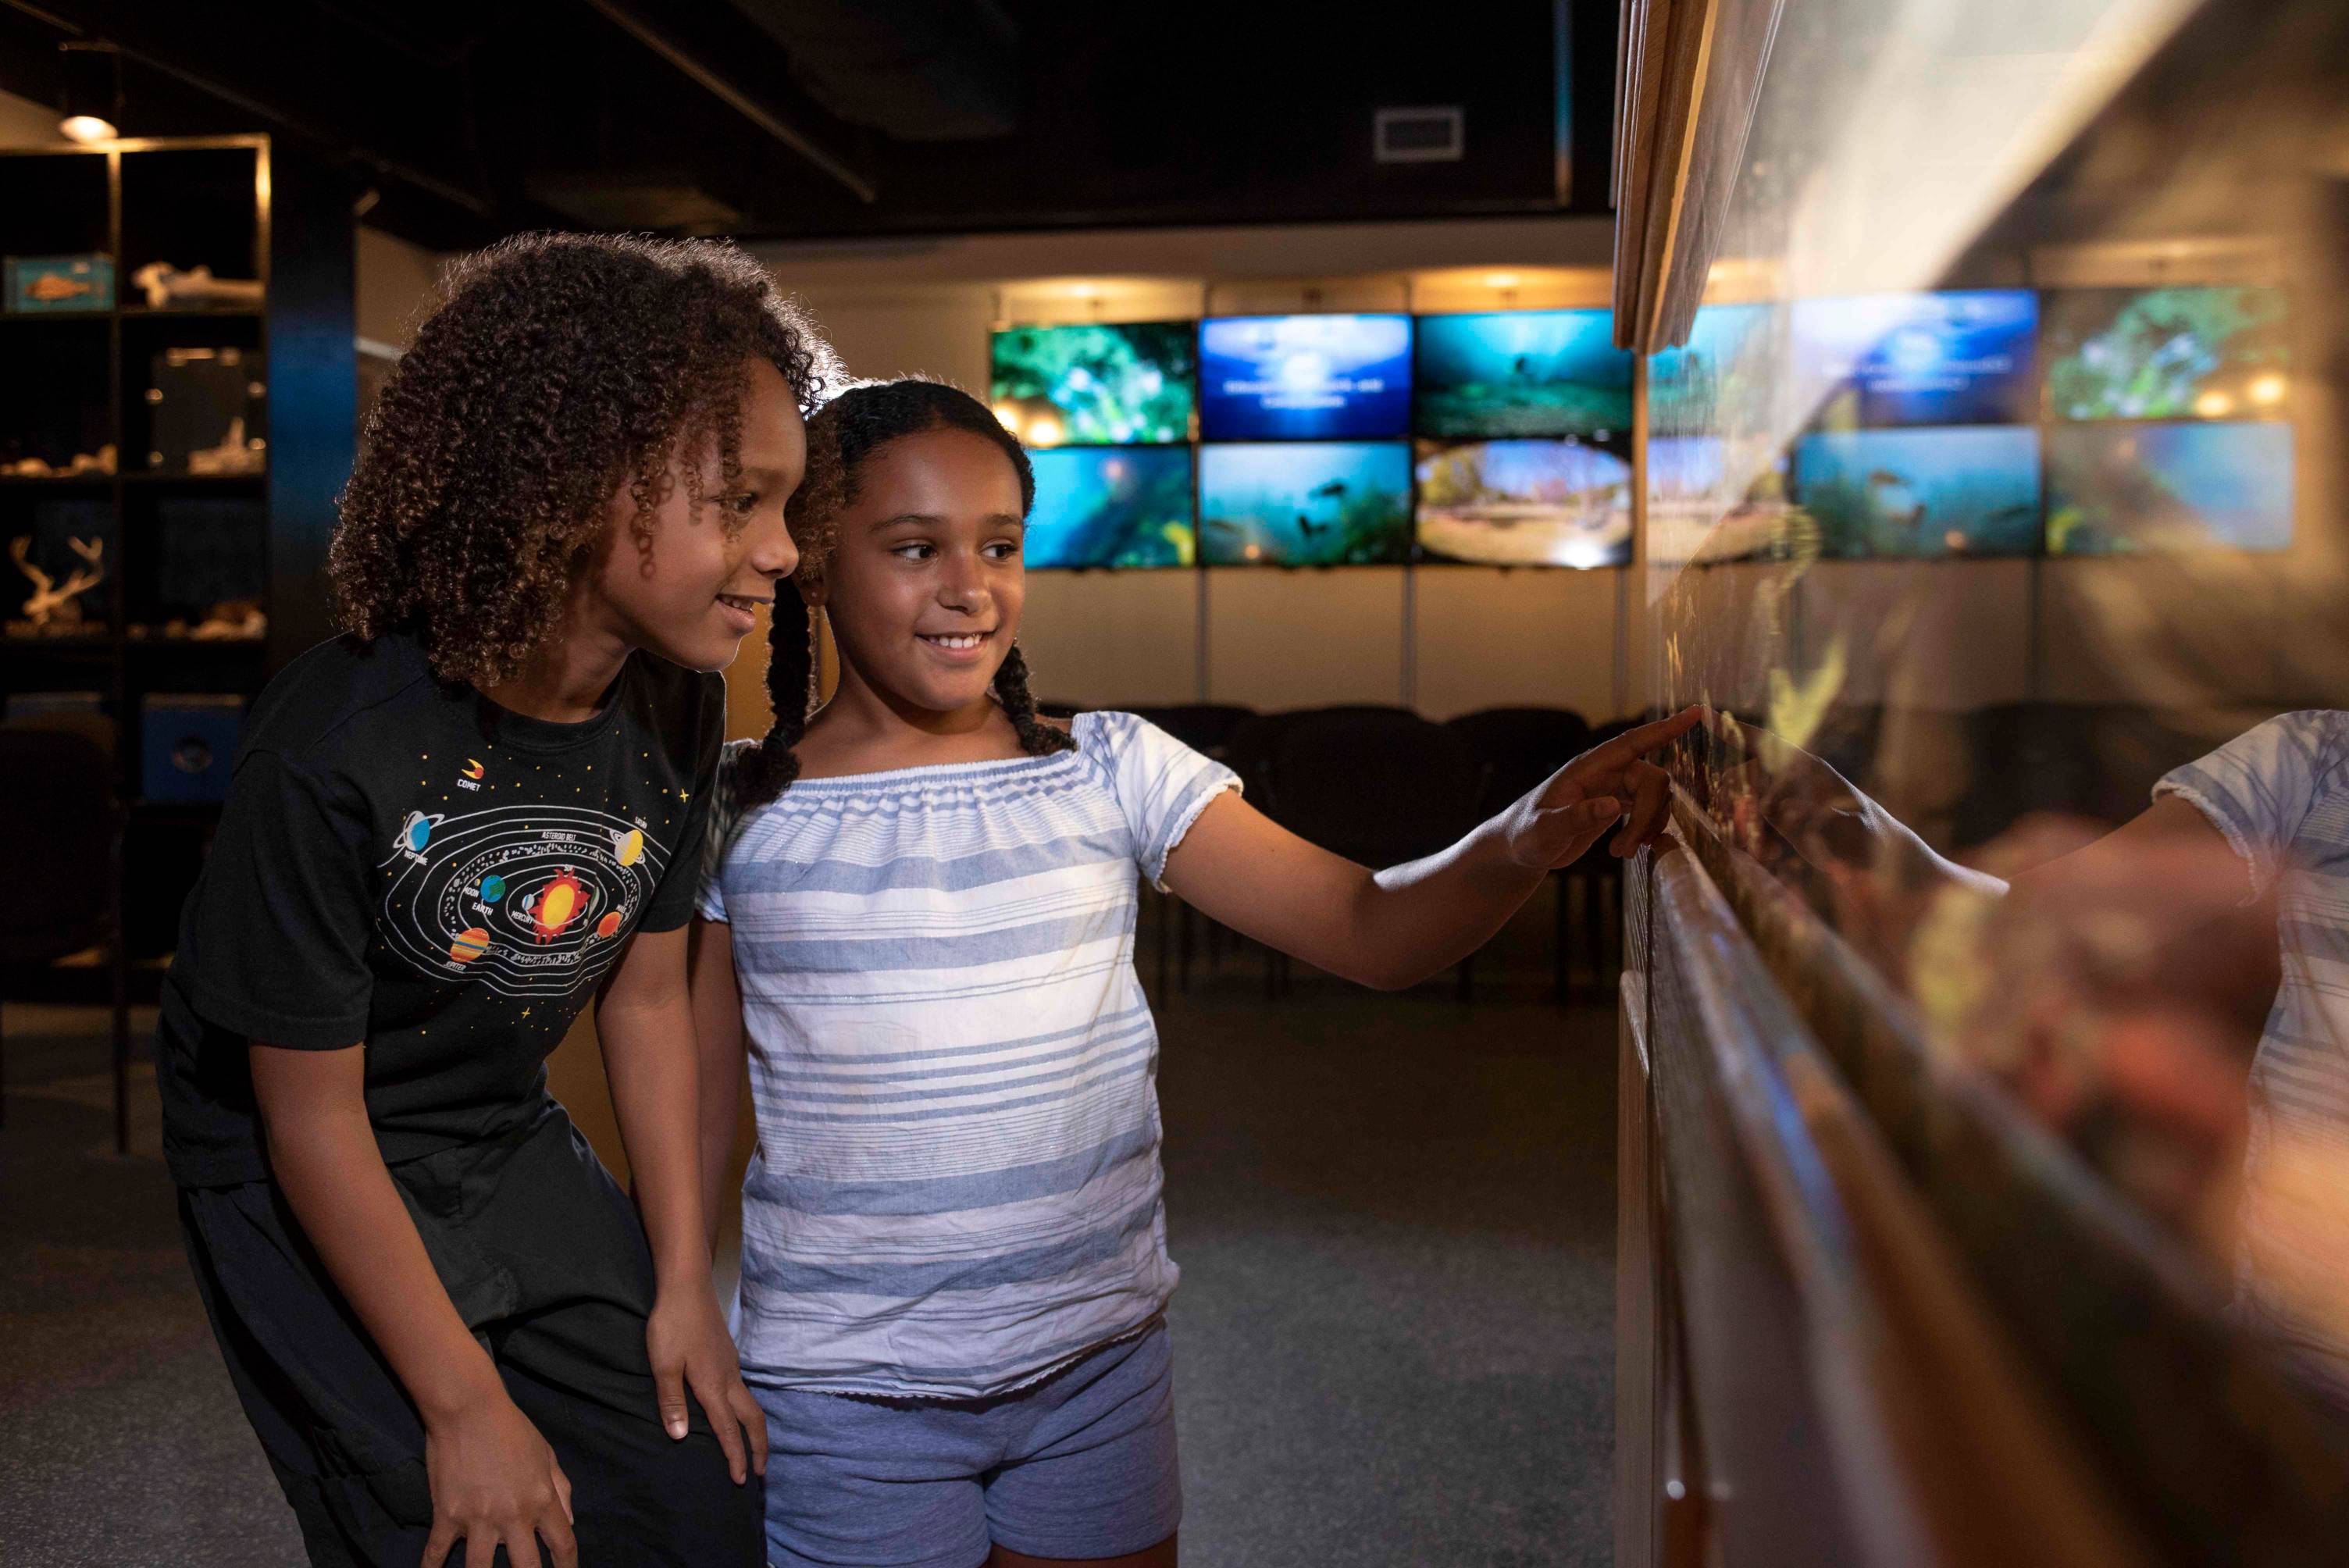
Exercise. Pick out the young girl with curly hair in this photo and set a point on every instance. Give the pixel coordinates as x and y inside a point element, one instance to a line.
<point>920,909</point>
<point>448,832</point>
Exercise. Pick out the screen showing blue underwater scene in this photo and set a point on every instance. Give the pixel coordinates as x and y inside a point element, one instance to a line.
<point>1111,506</point>
<point>1313,504</point>
<point>1906,494</point>
<point>1522,372</point>
<point>1959,358</point>
<point>1524,503</point>
<point>1304,378</point>
<point>1095,385</point>
<point>1721,364</point>
<point>2166,354</point>
<point>2119,489</point>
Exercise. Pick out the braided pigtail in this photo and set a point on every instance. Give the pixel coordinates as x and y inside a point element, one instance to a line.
<point>1037,739</point>
<point>766,769</point>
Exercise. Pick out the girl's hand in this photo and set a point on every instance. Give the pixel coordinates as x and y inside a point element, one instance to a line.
<point>495,1484</point>
<point>1556,824</point>
<point>689,1347</point>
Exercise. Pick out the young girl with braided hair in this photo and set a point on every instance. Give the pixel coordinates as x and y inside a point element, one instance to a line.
<point>919,907</point>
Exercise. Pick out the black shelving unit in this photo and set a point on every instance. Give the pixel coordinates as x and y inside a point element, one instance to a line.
<point>176,542</point>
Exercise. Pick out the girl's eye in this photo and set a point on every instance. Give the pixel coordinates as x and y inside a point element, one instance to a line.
<point>914,550</point>
<point>1003,549</point>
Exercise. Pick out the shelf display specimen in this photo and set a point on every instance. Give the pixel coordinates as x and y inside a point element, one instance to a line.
<point>1095,385</point>
<point>2166,352</point>
<point>1111,506</point>
<point>2122,489</point>
<point>1910,494</point>
<point>1524,503</point>
<point>1522,372</point>
<point>1307,504</point>
<point>1304,378</point>
<point>1963,358</point>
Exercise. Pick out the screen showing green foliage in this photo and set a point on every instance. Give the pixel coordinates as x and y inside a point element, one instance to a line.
<point>1093,385</point>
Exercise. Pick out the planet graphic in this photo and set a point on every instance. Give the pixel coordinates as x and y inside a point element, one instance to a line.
<point>416,833</point>
<point>609,926</point>
<point>470,944</point>
<point>493,888</point>
<point>628,847</point>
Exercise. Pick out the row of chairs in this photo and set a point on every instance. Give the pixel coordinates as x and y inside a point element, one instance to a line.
<point>1384,785</point>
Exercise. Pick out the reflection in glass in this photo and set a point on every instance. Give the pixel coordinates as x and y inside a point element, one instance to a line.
<point>1524,503</point>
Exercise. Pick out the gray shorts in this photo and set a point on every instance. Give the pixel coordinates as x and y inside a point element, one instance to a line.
<point>1079,1465</point>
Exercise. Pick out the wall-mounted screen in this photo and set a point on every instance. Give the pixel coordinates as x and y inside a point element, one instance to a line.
<point>1095,385</point>
<point>1304,378</point>
<point>1718,364</point>
<point>1906,494</point>
<point>1524,503</point>
<point>1307,504</point>
<point>1956,359</point>
<point>2166,354</point>
<point>1522,372</point>
<point>1111,506</point>
<point>2119,489</point>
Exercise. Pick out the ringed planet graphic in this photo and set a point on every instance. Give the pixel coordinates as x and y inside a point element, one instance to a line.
<point>628,847</point>
<point>417,831</point>
<point>468,944</point>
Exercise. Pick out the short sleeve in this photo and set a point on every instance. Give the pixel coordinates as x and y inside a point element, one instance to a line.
<point>673,902</point>
<point>283,913</point>
<point>1161,784</point>
<point>2259,787</point>
<point>724,818</point>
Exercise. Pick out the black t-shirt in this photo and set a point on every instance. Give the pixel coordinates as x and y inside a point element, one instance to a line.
<point>404,865</point>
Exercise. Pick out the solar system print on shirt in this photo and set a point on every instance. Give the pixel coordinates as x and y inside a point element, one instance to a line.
<point>529,900</point>
<point>404,864</point>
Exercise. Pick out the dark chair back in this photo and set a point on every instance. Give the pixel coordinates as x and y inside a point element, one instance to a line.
<point>1518,748</point>
<point>1202,726</point>
<point>58,789</point>
<point>1377,785</point>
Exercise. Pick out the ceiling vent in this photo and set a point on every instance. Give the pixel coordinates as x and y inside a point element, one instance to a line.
<point>1416,134</point>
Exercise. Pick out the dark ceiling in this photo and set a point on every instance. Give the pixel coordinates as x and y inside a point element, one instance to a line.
<point>785,118</point>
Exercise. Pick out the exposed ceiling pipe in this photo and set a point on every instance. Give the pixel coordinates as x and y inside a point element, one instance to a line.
<point>472,201</point>
<point>624,17</point>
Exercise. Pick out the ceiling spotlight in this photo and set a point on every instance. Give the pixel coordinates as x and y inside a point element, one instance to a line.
<point>1501,280</point>
<point>92,95</point>
<point>2266,390</point>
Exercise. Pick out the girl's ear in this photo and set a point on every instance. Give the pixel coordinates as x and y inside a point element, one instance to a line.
<point>813,590</point>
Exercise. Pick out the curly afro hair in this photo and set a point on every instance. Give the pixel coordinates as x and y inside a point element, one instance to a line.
<point>557,369</point>
<point>849,429</point>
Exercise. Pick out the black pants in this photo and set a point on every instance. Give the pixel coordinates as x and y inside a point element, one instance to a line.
<point>546,1258</point>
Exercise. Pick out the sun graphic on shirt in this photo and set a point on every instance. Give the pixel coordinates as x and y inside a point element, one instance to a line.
<point>557,906</point>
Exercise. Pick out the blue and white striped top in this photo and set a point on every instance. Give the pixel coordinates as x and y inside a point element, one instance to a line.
<point>956,1186</point>
<point>2279,796</point>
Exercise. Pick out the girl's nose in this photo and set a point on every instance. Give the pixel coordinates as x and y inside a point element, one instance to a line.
<point>962,586</point>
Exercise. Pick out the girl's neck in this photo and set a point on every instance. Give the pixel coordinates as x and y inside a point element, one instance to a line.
<point>864,728</point>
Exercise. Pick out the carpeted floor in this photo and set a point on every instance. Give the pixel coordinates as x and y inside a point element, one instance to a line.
<point>1394,1218</point>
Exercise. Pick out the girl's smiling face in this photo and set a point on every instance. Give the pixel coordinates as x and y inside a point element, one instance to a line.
<point>924,583</point>
<point>691,595</point>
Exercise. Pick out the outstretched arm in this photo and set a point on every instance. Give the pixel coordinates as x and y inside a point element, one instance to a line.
<point>1393,928</point>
